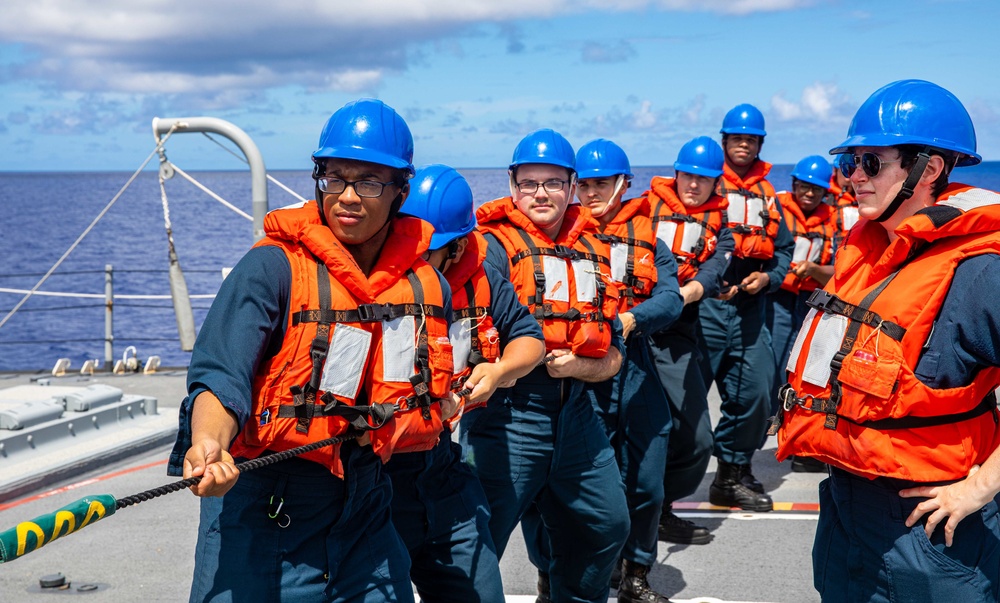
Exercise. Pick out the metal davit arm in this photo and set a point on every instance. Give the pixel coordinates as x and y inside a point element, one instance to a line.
<point>258,173</point>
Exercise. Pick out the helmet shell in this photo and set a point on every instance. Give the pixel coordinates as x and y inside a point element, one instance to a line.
<point>602,158</point>
<point>913,112</point>
<point>744,119</point>
<point>814,169</point>
<point>441,196</point>
<point>367,130</point>
<point>544,146</point>
<point>701,156</point>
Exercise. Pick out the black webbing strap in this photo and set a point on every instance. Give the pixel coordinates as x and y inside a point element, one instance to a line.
<point>845,348</point>
<point>828,302</point>
<point>598,315</point>
<point>305,395</point>
<point>331,407</point>
<point>676,217</point>
<point>368,313</point>
<point>539,273</point>
<point>788,398</point>
<point>906,191</point>
<point>422,378</point>
<point>631,241</point>
<point>474,312</point>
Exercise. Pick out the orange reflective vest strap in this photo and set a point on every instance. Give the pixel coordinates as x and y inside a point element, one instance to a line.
<point>691,233</point>
<point>813,236</point>
<point>853,399</point>
<point>566,284</point>
<point>632,247</point>
<point>381,340</point>
<point>753,215</point>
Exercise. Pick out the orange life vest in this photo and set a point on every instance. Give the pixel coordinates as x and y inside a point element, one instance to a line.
<point>474,339</point>
<point>633,253</point>
<point>813,240</point>
<point>845,208</point>
<point>753,211</point>
<point>566,284</point>
<point>853,400</point>
<point>350,338</point>
<point>691,232</point>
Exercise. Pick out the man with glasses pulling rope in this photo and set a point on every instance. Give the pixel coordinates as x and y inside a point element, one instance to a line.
<point>891,380</point>
<point>332,324</point>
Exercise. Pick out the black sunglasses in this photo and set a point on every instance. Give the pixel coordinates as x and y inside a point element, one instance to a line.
<point>870,163</point>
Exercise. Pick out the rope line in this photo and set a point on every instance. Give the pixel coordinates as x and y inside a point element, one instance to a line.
<point>209,192</point>
<point>250,465</point>
<point>98,295</point>
<point>79,239</point>
<point>243,159</point>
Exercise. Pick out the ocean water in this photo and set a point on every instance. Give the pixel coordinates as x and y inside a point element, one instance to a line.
<point>43,213</point>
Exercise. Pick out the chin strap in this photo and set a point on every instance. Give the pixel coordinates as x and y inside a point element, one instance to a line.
<point>908,185</point>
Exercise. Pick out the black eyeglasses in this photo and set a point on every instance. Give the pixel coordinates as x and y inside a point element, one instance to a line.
<point>363,188</point>
<point>870,163</point>
<point>529,187</point>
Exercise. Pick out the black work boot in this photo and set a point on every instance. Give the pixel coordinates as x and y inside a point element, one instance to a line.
<point>807,464</point>
<point>748,480</point>
<point>728,490</point>
<point>681,531</point>
<point>635,587</point>
<point>544,590</point>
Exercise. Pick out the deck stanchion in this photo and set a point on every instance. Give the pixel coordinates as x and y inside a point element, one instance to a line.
<point>109,318</point>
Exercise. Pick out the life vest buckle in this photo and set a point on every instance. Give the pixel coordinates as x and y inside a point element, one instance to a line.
<point>820,300</point>
<point>564,252</point>
<point>372,312</point>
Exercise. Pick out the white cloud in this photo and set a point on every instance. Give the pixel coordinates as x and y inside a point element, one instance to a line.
<point>178,46</point>
<point>819,101</point>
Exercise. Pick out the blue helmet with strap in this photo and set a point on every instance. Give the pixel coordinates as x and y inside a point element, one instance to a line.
<point>544,146</point>
<point>815,170</point>
<point>602,158</point>
<point>367,130</point>
<point>913,112</point>
<point>701,156</point>
<point>744,119</point>
<point>441,196</point>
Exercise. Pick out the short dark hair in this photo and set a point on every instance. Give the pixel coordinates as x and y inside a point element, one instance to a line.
<point>908,158</point>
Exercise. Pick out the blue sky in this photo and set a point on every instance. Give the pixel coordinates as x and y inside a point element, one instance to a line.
<point>81,80</point>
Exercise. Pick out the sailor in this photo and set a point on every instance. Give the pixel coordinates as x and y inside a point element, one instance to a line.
<point>323,328</point>
<point>844,204</point>
<point>540,442</point>
<point>438,505</point>
<point>632,405</point>
<point>893,376</point>
<point>689,218</point>
<point>810,221</point>
<point>737,344</point>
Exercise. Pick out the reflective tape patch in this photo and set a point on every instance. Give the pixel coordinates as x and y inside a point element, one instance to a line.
<point>801,252</point>
<point>815,250</point>
<point>460,334</point>
<point>971,199</point>
<point>692,234</point>
<point>793,357</point>
<point>826,341</point>
<point>345,361</point>
<point>755,207</point>
<point>666,231</point>
<point>850,217</point>
<point>585,276</point>
<point>737,208</point>
<point>399,349</point>
<point>556,279</point>
<point>619,261</point>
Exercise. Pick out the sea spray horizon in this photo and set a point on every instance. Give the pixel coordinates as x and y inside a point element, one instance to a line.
<point>43,213</point>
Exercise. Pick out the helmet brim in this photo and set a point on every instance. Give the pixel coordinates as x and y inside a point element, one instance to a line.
<point>892,140</point>
<point>359,154</point>
<point>697,170</point>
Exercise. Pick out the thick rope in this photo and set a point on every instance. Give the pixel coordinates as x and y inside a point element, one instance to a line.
<point>250,465</point>
<point>79,239</point>
<point>210,193</point>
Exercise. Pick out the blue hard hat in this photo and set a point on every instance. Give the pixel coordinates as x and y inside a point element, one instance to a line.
<point>744,119</point>
<point>913,112</point>
<point>701,156</point>
<point>367,130</point>
<point>602,159</point>
<point>441,196</point>
<point>814,169</point>
<point>544,146</point>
